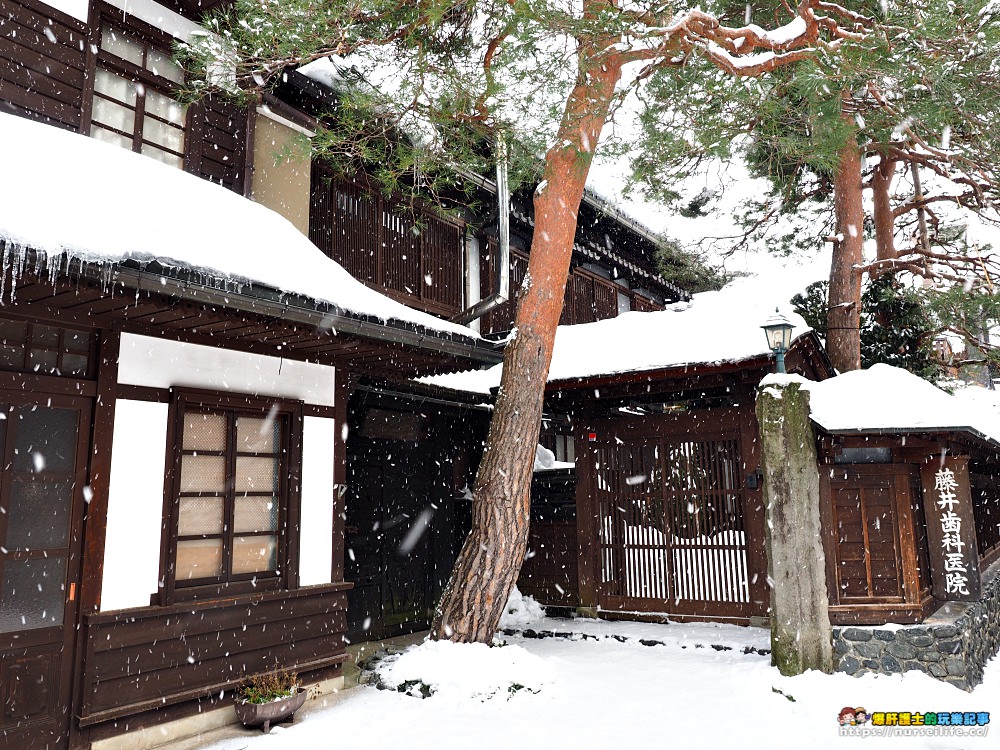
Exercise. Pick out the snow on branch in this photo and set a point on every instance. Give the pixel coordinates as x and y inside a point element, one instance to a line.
<point>744,51</point>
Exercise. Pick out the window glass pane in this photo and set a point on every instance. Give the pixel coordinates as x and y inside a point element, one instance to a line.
<point>162,134</point>
<point>122,45</point>
<point>77,342</point>
<point>43,360</point>
<point>46,336</point>
<point>257,435</point>
<point>12,331</point>
<point>172,160</point>
<point>164,107</point>
<point>33,594</point>
<point>257,474</point>
<point>114,115</point>
<point>255,514</point>
<point>45,441</point>
<point>114,87</point>
<point>11,357</point>
<point>162,65</point>
<point>75,364</point>
<point>254,554</point>
<point>39,514</point>
<point>204,432</point>
<point>203,474</point>
<point>96,131</point>
<point>199,558</point>
<point>200,515</point>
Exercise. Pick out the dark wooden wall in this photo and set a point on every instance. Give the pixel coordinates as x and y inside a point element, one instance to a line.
<point>550,573</point>
<point>144,658</point>
<point>218,143</point>
<point>413,255</point>
<point>43,63</point>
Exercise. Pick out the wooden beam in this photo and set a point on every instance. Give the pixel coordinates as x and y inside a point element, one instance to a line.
<point>96,520</point>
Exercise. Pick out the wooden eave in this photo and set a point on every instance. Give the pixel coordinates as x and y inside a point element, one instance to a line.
<point>172,304</point>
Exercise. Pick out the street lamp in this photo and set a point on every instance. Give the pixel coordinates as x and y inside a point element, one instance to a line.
<point>778,330</point>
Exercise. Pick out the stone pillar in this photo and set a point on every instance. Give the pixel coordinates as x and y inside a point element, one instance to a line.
<point>801,636</point>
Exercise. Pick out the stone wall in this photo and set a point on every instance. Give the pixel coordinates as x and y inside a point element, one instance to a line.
<point>953,644</point>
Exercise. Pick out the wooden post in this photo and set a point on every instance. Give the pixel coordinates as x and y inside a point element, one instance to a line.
<point>801,636</point>
<point>951,529</point>
<point>96,518</point>
<point>587,537</point>
<point>344,382</point>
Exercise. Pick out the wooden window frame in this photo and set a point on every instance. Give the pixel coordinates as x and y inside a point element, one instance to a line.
<point>61,349</point>
<point>290,469</point>
<point>98,57</point>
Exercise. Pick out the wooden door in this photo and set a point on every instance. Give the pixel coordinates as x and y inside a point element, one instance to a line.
<point>866,525</point>
<point>390,512</point>
<point>41,515</point>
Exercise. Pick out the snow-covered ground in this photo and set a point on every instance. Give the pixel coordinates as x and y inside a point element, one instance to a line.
<point>702,685</point>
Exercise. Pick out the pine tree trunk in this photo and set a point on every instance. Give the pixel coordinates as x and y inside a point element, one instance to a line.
<point>885,221</point>
<point>491,558</point>
<point>843,341</point>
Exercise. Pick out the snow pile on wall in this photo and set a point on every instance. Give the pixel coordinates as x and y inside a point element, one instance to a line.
<point>715,327</point>
<point>459,671</point>
<point>890,399</point>
<point>520,611</point>
<point>66,193</point>
<point>546,459</point>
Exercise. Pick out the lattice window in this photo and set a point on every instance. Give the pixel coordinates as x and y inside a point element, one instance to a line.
<point>231,494</point>
<point>134,103</point>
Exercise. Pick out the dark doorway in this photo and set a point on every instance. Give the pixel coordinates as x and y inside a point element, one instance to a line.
<point>404,523</point>
<point>41,515</point>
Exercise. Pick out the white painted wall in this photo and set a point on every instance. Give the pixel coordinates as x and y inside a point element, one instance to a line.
<point>76,8</point>
<point>319,436</point>
<point>152,13</point>
<point>135,505</point>
<point>159,363</point>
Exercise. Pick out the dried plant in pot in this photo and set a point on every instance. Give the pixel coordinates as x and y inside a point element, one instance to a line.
<point>269,698</point>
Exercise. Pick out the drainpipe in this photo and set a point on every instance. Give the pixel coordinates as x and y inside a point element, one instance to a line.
<point>502,293</point>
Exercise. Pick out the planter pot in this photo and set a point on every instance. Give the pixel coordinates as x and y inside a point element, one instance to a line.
<point>266,714</point>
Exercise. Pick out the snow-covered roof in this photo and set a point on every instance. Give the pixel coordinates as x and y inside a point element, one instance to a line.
<point>888,399</point>
<point>67,194</point>
<point>714,328</point>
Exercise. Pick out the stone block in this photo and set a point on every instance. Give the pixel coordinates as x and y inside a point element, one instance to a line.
<point>890,665</point>
<point>885,635</point>
<point>870,649</point>
<point>955,667</point>
<point>849,664</point>
<point>949,647</point>
<point>902,650</point>
<point>857,634</point>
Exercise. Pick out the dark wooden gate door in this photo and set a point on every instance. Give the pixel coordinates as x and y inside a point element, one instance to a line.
<point>671,525</point>
<point>389,495</point>
<point>44,444</point>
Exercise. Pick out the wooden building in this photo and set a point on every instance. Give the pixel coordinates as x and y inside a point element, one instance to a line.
<point>174,424</point>
<point>908,495</point>
<point>196,515</point>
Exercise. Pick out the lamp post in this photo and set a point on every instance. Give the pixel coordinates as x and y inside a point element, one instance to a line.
<point>778,330</point>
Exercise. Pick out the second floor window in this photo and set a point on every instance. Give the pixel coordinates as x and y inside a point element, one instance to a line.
<point>134,105</point>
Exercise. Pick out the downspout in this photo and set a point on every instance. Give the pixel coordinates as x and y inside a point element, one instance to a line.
<point>502,293</point>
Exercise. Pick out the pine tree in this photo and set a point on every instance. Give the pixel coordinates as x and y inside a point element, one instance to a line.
<point>922,90</point>
<point>554,73</point>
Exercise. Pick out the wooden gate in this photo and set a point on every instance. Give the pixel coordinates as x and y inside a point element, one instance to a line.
<point>671,525</point>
